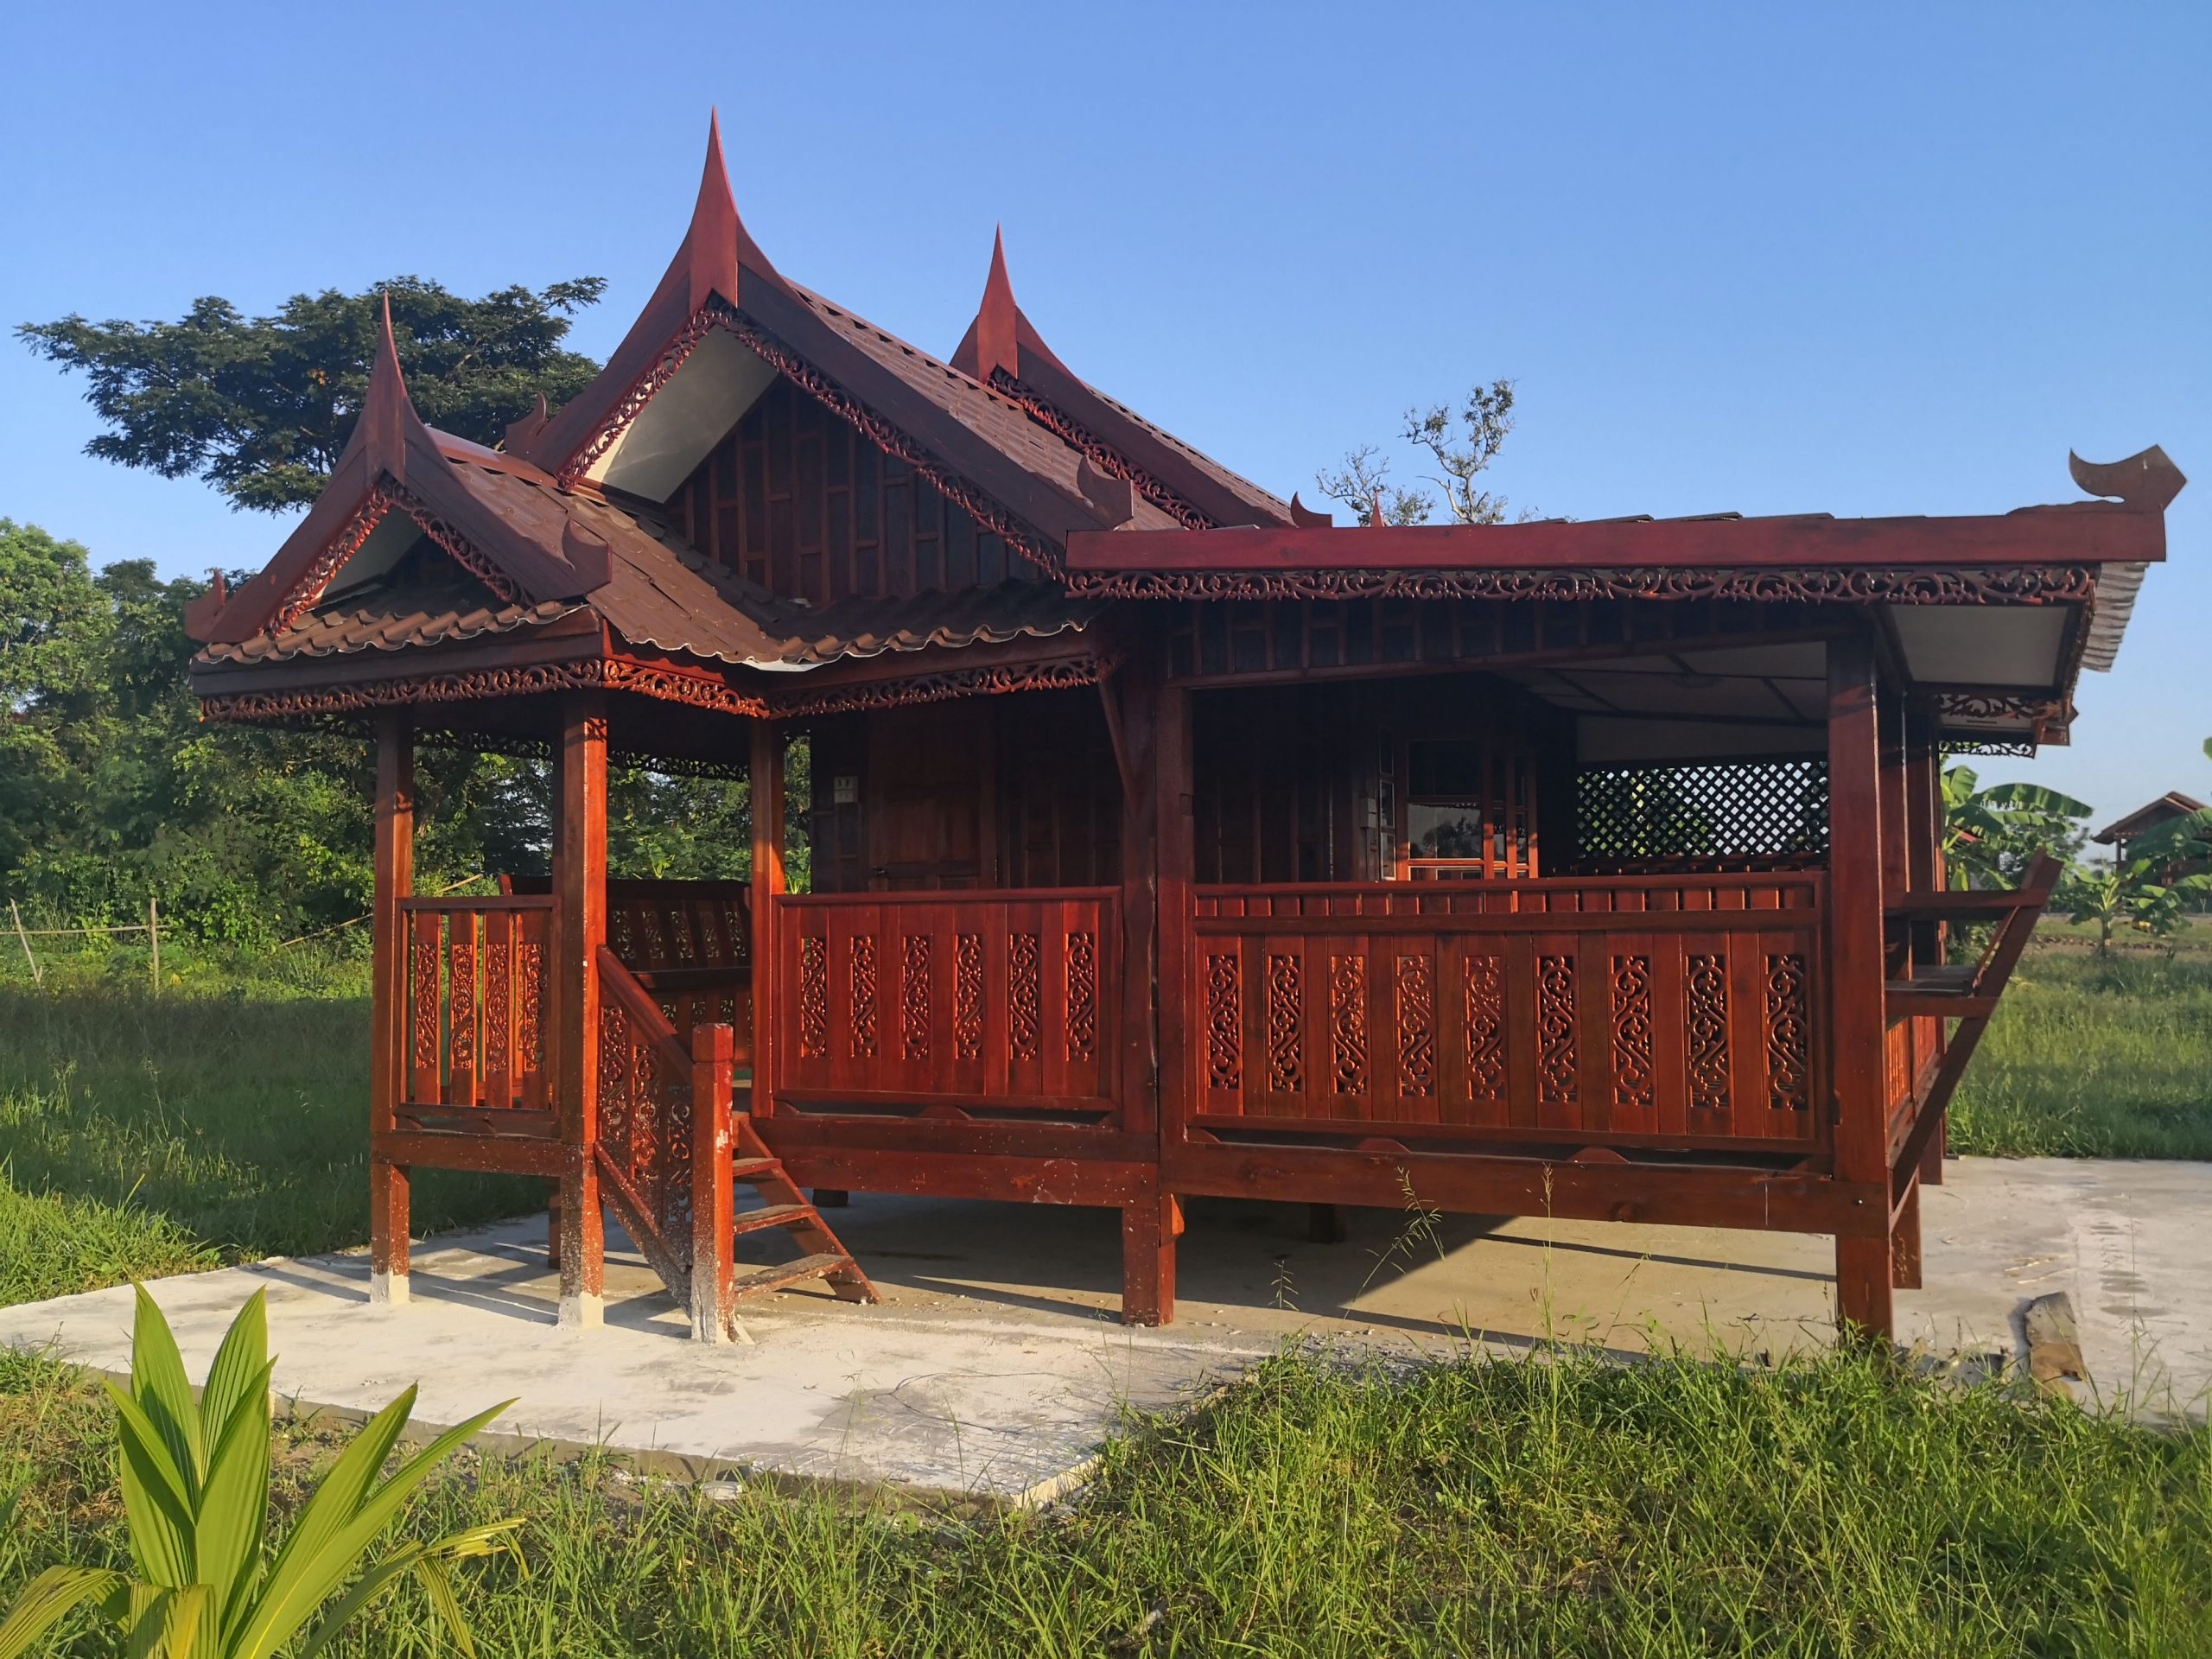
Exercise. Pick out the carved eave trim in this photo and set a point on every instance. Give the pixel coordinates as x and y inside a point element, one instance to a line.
<point>489,670</point>
<point>1101,454</point>
<point>2042,584</point>
<point>695,690</point>
<point>941,686</point>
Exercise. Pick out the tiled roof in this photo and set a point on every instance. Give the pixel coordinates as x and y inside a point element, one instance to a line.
<point>660,592</point>
<point>996,420</point>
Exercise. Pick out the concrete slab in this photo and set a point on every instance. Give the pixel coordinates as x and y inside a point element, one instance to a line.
<point>996,1362</point>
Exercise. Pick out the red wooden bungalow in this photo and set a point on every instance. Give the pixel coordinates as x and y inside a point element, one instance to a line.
<point>1167,841</point>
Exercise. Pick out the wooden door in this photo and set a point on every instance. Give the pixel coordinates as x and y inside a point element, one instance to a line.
<point>929,787</point>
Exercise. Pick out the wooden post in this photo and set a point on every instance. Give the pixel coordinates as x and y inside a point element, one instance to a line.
<point>1150,1226</point>
<point>713,1269</point>
<point>1904,1242</point>
<point>1131,698</point>
<point>765,772</point>
<point>395,880</point>
<point>579,929</point>
<point>1149,1229</point>
<point>37,978</point>
<point>1325,1223</point>
<point>1855,979</point>
<point>1924,859</point>
<point>154,942</point>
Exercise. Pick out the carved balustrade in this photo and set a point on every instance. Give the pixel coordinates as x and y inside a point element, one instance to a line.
<point>1680,1010</point>
<point>476,1019</point>
<point>1004,999</point>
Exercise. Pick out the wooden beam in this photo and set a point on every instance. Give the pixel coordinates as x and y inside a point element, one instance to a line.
<point>395,882</point>
<point>1857,1019</point>
<point>579,930</point>
<point>2083,533</point>
<point>1690,1195</point>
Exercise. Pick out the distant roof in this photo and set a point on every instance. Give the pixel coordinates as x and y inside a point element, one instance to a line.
<point>2169,806</point>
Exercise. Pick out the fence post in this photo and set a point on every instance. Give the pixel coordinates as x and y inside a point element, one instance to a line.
<point>713,1269</point>
<point>153,941</point>
<point>37,978</point>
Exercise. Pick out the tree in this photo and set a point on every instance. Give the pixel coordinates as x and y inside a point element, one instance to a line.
<point>1991,835</point>
<point>2143,891</point>
<point>1461,454</point>
<point>204,1583</point>
<point>260,407</point>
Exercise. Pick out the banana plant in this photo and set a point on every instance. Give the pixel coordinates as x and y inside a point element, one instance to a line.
<point>1993,834</point>
<point>195,1490</point>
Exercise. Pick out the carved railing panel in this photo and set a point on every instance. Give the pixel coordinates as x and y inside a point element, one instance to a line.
<point>1682,1010</point>
<point>475,1019</point>
<point>969,999</point>
<point>687,943</point>
<point>645,1117</point>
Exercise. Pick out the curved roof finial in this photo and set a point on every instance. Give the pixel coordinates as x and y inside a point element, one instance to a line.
<point>381,433</point>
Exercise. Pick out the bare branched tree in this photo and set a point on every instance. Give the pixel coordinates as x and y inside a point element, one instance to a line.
<point>1462,445</point>
<point>1362,485</point>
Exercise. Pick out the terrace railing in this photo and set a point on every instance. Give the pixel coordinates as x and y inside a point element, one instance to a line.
<point>1000,1000</point>
<point>1683,1010</point>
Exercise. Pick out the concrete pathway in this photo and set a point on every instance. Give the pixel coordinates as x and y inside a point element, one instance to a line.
<point>995,1363</point>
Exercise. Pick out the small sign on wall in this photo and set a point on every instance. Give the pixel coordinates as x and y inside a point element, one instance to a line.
<point>845,791</point>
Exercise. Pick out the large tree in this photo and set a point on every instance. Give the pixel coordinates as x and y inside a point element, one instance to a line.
<point>260,407</point>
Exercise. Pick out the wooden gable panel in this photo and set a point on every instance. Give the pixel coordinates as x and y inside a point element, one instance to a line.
<point>797,500</point>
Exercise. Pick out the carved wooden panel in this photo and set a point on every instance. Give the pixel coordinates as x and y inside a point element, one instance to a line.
<point>956,1001</point>
<point>475,991</point>
<point>1678,1012</point>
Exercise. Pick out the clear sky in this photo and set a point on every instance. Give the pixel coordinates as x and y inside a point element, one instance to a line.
<point>1870,261</point>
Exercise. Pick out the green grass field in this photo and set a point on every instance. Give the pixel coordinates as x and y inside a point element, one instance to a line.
<point>2091,1058</point>
<point>1574,1507</point>
<point>1567,1506</point>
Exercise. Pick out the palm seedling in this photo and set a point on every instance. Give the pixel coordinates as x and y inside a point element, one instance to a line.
<point>195,1478</point>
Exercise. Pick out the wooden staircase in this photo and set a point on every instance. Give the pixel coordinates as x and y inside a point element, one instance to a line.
<point>822,1255</point>
<point>671,1152</point>
<point>1967,993</point>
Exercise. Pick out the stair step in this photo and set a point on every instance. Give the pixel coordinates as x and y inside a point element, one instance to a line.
<point>752,1169</point>
<point>773,1215</point>
<point>761,1280</point>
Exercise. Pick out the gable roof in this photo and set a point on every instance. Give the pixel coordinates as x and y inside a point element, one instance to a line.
<point>1003,350</point>
<point>978,446</point>
<point>2171,805</point>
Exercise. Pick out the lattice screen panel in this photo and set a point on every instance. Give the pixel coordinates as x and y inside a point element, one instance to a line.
<point>1768,810</point>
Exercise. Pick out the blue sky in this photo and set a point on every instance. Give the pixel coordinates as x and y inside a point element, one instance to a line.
<point>1873,261</point>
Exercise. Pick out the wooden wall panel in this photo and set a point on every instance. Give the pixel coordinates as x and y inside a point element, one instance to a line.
<point>1011,792</point>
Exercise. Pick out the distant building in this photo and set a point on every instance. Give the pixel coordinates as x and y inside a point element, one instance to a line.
<point>2122,833</point>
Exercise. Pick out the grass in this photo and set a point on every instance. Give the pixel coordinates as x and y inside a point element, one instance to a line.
<point>1564,1505</point>
<point>224,1119</point>
<point>2095,1058</point>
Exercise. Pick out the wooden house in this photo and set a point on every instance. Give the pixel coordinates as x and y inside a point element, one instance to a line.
<point>1167,840</point>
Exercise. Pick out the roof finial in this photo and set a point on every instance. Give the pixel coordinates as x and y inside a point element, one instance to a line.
<point>1376,520</point>
<point>2146,481</point>
<point>382,430</point>
<point>996,346</point>
<point>710,244</point>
